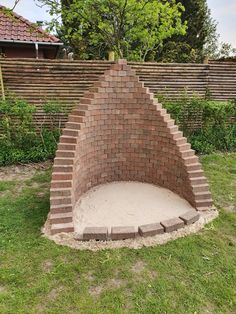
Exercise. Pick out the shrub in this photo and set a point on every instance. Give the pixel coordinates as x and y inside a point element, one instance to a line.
<point>207,124</point>
<point>20,141</point>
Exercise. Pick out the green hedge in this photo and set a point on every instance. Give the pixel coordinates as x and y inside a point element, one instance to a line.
<point>20,140</point>
<point>217,129</point>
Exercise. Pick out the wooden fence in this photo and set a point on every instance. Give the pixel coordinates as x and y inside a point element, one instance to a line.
<point>39,81</point>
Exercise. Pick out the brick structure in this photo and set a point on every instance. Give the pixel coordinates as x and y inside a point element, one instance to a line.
<point>119,132</point>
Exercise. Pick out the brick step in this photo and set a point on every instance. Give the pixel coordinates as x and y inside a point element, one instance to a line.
<point>61,176</point>
<point>158,106</point>
<point>61,184</point>
<point>60,200</point>
<point>202,209</point>
<point>198,180</point>
<point>173,129</point>
<point>170,123</point>
<point>190,160</point>
<point>201,187</point>
<point>177,135</point>
<point>88,95</point>
<point>57,209</point>
<point>180,141</point>
<point>166,117</point>
<point>61,218</point>
<point>193,166</point>
<point>62,169</point>
<point>184,147</point>
<point>70,132</point>
<point>64,227</point>
<point>163,111</point>
<point>69,147</point>
<point>65,153</point>
<point>204,203</point>
<point>78,112</point>
<point>87,99</point>
<point>187,153</point>
<point>75,118</point>
<point>73,125</point>
<point>202,195</point>
<point>196,173</point>
<point>68,139</point>
<point>82,108</point>
<point>63,161</point>
<point>60,192</point>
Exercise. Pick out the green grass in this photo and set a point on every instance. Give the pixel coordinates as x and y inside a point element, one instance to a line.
<point>194,275</point>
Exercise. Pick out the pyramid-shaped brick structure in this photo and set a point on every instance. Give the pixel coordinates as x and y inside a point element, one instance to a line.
<point>119,132</point>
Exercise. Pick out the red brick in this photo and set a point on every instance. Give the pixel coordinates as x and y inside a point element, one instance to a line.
<point>63,227</point>
<point>76,118</point>
<point>68,139</point>
<point>58,209</point>
<point>150,229</point>
<point>73,125</point>
<point>95,233</point>
<point>60,192</point>
<point>61,184</point>
<point>122,233</point>
<point>61,218</point>
<point>172,224</point>
<point>60,200</point>
<point>190,217</point>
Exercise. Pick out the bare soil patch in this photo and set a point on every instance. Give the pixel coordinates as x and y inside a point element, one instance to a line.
<point>138,267</point>
<point>22,171</point>
<point>47,266</point>
<point>108,285</point>
<point>2,289</point>
<point>54,293</point>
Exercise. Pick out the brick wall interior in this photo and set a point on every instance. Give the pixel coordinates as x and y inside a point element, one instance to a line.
<point>120,133</point>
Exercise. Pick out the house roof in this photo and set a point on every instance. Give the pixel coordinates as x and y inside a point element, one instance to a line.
<point>14,27</point>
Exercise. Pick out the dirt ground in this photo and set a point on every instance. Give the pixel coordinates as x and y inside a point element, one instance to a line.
<point>22,171</point>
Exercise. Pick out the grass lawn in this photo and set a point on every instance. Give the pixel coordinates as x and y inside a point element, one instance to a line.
<point>194,275</point>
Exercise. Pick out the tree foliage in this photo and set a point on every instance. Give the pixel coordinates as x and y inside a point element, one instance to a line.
<point>200,38</point>
<point>134,29</point>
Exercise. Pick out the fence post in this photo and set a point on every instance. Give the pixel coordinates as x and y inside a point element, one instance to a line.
<point>1,83</point>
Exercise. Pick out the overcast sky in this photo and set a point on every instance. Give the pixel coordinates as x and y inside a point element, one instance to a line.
<point>224,11</point>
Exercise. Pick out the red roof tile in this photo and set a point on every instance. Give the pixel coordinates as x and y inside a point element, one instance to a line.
<point>15,27</point>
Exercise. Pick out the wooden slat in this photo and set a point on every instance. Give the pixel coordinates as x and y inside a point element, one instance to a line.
<point>66,81</point>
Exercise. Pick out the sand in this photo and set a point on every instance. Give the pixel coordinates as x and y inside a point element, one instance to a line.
<point>127,204</point>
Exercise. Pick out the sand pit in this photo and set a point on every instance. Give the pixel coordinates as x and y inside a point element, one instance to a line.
<point>127,204</point>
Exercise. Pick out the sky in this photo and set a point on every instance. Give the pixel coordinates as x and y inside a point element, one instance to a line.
<point>223,11</point>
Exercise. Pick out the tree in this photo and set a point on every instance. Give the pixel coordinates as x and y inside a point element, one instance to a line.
<point>200,38</point>
<point>134,29</point>
<point>225,51</point>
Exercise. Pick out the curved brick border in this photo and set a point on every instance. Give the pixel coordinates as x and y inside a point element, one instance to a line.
<point>119,132</point>
<point>122,233</point>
